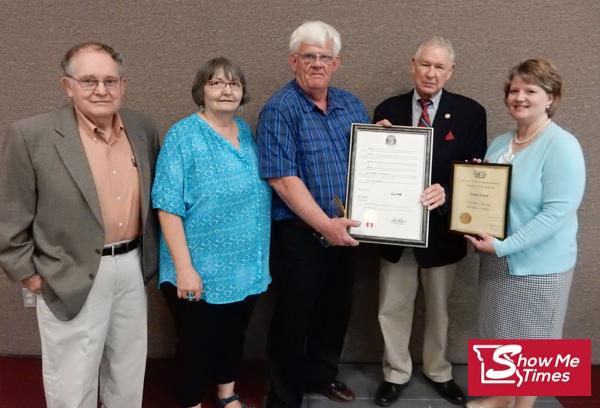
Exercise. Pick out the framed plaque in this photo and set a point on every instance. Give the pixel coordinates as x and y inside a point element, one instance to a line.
<point>479,199</point>
<point>388,169</point>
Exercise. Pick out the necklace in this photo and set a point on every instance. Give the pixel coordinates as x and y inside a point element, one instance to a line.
<point>527,139</point>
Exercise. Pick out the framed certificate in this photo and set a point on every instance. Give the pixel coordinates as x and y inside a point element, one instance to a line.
<point>479,199</point>
<point>388,169</point>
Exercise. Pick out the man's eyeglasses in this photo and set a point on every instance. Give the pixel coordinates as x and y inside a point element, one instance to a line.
<point>219,84</point>
<point>92,83</point>
<point>310,58</point>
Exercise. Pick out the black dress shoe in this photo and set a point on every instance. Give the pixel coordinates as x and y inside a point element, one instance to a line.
<point>448,390</point>
<point>388,393</point>
<point>336,390</point>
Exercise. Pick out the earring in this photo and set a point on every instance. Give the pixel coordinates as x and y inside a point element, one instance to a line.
<point>547,107</point>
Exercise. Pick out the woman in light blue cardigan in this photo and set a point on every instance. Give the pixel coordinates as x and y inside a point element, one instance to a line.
<point>525,279</point>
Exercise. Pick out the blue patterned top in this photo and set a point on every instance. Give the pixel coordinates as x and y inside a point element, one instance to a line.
<point>224,206</point>
<point>296,138</point>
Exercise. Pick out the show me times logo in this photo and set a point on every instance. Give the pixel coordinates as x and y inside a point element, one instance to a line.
<point>530,367</point>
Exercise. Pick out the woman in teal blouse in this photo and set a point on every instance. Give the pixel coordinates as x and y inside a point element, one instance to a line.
<point>214,212</point>
<point>526,278</point>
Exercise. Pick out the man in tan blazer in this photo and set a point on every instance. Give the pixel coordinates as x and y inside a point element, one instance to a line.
<point>76,227</point>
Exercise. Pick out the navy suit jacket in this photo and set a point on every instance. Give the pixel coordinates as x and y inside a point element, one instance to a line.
<point>459,134</point>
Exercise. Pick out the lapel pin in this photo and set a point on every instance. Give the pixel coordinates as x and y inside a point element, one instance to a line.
<point>447,116</point>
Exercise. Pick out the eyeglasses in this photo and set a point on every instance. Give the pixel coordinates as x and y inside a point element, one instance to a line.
<point>310,58</point>
<point>92,83</point>
<point>219,84</point>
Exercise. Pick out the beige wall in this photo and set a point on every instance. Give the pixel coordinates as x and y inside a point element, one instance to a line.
<point>164,42</point>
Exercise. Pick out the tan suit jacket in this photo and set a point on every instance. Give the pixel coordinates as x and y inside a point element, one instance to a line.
<point>50,219</point>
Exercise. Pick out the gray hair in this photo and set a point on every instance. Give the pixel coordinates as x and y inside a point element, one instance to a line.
<point>440,42</point>
<point>316,33</point>
<point>65,64</point>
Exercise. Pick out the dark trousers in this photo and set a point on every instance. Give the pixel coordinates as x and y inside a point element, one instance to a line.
<point>210,342</point>
<point>313,294</point>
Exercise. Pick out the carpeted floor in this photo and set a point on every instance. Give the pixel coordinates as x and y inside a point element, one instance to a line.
<point>21,385</point>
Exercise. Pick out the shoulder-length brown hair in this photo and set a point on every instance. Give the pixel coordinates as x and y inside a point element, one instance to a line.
<point>209,69</point>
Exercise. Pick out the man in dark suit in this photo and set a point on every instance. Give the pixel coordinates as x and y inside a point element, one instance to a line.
<point>77,229</point>
<point>459,134</point>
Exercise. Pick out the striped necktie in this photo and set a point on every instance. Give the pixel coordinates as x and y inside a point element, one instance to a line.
<point>424,120</point>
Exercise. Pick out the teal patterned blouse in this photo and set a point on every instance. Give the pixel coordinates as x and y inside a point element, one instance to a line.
<point>224,205</point>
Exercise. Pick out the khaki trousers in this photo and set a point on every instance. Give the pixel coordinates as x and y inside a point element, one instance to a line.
<point>398,286</point>
<point>105,343</point>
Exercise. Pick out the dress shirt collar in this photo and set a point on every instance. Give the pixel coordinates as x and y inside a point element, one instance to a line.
<point>435,99</point>
<point>308,104</point>
<point>91,130</point>
<point>432,110</point>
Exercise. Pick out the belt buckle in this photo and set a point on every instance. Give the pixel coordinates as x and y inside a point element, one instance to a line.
<point>112,250</point>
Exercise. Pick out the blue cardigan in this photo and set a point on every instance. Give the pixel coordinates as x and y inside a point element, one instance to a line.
<point>548,180</point>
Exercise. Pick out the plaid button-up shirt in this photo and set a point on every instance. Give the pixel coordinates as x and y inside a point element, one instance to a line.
<point>296,138</point>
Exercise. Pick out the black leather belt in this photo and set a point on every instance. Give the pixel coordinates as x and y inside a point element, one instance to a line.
<point>300,224</point>
<point>122,248</point>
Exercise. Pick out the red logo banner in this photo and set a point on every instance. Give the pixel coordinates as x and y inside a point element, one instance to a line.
<point>530,367</point>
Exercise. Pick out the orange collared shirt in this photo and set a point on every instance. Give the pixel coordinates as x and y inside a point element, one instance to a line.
<point>115,174</point>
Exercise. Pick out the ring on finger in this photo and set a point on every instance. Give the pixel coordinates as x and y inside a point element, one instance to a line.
<point>190,296</point>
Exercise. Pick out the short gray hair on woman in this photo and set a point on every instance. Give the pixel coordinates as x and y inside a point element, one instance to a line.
<point>440,42</point>
<point>316,33</point>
